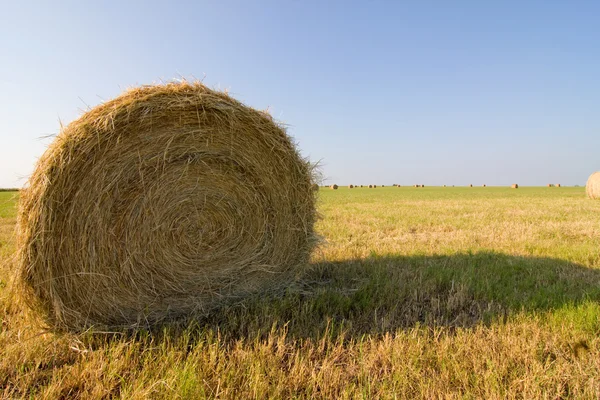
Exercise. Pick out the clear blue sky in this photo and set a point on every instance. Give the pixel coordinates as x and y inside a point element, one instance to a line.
<point>382,92</point>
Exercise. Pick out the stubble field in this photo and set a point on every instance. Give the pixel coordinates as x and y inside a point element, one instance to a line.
<point>414,293</point>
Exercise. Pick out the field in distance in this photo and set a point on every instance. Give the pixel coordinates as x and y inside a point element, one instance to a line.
<point>414,293</point>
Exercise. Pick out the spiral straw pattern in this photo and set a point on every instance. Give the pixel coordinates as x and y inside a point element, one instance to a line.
<point>162,203</point>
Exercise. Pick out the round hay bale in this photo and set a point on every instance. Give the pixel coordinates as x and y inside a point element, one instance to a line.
<point>361,185</point>
<point>592,187</point>
<point>162,204</point>
<point>549,185</point>
<point>514,186</point>
<point>374,186</point>
<point>557,185</point>
<point>483,185</point>
<point>471,185</point>
<point>350,186</point>
<point>315,187</point>
<point>333,187</point>
<point>422,185</point>
<point>398,186</point>
<point>444,185</point>
<point>370,186</point>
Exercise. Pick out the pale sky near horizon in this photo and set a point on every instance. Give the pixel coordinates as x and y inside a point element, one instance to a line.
<point>428,92</point>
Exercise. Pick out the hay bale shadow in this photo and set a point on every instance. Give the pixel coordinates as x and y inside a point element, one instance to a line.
<point>378,295</point>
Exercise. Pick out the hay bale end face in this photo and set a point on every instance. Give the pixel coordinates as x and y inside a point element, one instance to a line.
<point>549,185</point>
<point>514,186</point>
<point>350,186</point>
<point>160,205</point>
<point>333,187</point>
<point>557,185</point>
<point>592,187</point>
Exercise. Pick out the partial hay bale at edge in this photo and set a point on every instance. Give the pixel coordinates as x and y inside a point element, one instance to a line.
<point>162,204</point>
<point>592,187</point>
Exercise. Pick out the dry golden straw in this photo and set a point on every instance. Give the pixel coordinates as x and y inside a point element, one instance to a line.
<point>161,204</point>
<point>592,187</point>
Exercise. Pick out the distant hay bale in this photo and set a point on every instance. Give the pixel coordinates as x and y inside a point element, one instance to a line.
<point>444,185</point>
<point>483,185</point>
<point>350,186</point>
<point>370,186</point>
<point>592,187</point>
<point>557,185</point>
<point>471,185</point>
<point>361,185</point>
<point>514,186</point>
<point>549,185</point>
<point>162,204</point>
<point>333,187</point>
<point>374,186</point>
<point>382,185</point>
<point>398,186</point>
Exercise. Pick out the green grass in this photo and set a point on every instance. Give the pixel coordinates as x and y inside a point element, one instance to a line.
<point>415,293</point>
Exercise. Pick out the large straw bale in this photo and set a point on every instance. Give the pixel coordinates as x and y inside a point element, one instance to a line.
<point>163,203</point>
<point>592,187</point>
